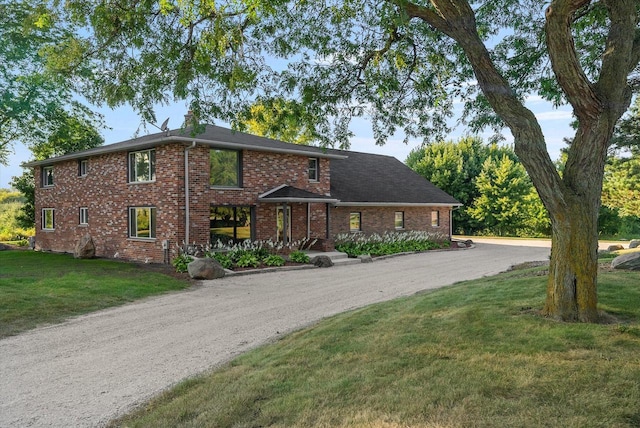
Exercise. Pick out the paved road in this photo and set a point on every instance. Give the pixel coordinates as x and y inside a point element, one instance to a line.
<point>94,368</point>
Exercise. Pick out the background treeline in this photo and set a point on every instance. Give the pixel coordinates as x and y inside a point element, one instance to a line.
<point>499,198</point>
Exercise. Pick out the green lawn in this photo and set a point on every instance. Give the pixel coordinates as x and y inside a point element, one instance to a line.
<point>476,354</point>
<point>39,288</point>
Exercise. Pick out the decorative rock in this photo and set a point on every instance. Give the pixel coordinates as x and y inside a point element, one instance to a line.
<point>461,244</point>
<point>205,268</point>
<point>4,247</point>
<point>629,261</point>
<point>469,242</point>
<point>365,258</point>
<point>85,248</point>
<point>322,261</point>
<point>635,243</point>
<point>615,247</point>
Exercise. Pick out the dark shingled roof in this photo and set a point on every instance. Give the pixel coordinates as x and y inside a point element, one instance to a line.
<point>371,178</point>
<point>293,194</point>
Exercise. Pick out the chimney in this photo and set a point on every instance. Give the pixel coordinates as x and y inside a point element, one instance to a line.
<point>189,119</point>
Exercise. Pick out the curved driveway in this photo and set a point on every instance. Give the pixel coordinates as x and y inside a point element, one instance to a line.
<point>96,367</point>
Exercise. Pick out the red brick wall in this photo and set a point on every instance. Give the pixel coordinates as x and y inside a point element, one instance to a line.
<point>381,219</point>
<point>106,193</point>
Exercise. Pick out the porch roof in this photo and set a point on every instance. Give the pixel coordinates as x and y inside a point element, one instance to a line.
<point>286,193</point>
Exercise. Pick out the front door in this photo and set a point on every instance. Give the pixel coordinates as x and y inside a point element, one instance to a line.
<point>280,221</point>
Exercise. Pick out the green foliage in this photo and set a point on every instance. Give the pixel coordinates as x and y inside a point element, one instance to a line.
<point>247,259</point>
<point>11,229</point>
<point>503,185</point>
<point>299,257</point>
<point>222,258</point>
<point>181,262</point>
<point>621,187</point>
<point>274,260</point>
<point>35,102</point>
<point>388,243</point>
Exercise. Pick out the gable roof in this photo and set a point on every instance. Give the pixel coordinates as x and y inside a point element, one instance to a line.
<point>286,193</point>
<point>377,180</point>
<point>213,136</point>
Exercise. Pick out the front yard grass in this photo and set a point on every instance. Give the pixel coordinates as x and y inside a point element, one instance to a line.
<point>40,288</point>
<point>476,354</point>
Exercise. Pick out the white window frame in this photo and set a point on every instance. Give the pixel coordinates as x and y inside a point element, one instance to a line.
<point>45,176</point>
<point>133,163</point>
<point>44,218</point>
<point>315,169</point>
<point>83,167</point>
<point>395,220</point>
<point>84,216</point>
<point>133,222</point>
<point>435,218</point>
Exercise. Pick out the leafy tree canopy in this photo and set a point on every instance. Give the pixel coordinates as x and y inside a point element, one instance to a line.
<point>34,102</point>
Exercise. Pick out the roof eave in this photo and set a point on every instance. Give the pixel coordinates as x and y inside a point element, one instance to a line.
<point>302,200</point>
<point>397,204</point>
<point>175,139</point>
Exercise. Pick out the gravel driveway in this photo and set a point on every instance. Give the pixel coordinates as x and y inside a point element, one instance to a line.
<point>96,367</point>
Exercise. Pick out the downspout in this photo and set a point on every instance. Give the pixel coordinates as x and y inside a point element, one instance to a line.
<point>186,193</point>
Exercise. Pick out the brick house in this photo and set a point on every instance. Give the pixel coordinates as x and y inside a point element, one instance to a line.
<point>140,198</point>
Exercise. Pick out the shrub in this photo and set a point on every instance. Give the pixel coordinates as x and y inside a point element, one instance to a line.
<point>222,258</point>
<point>274,260</point>
<point>181,261</point>
<point>248,259</point>
<point>389,243</point>
<point>298,257</point>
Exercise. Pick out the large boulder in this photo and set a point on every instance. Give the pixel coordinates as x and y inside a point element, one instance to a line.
<point>615,247</point>
<point>635,243</point>
<point>322,261</point>
<point>85,248</point>
<point>205,268</point>
<point>629,261</point>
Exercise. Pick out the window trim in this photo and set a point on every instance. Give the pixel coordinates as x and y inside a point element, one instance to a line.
<point>239,168</point>
<point>83,171</point>
<point>45,181</point>
<point>152,222</point>
<point>131,166</point>
<point>83,216</point>
<point>435,218</point>
<point>359,214</point>
<point>315,169</point>
<point>43,219</point>
<point>395,220</point>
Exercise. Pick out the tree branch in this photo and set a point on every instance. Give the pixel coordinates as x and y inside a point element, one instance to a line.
<point>564,59</point>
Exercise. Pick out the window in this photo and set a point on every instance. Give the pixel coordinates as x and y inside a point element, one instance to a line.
<point>48,219</point>
<point>142,222</point>
<point>355,222</point>
<point>83,167</point>
<point>313,169</point>
<point>225,169</point>
<point>399,220</point>
<point>230,223</point>
<point>47,176</point>
<point>435,218</point>
<point>84,215</point>
<point>142,166</point>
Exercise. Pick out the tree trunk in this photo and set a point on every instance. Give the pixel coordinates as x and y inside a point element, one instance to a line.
<point>573,269</point>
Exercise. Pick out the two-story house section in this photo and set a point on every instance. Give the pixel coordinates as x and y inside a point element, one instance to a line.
<point>141,198</point>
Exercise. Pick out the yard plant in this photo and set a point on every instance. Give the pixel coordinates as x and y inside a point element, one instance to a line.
<point>478,353</point>
<point>389,243</point>
<point>41,288</point>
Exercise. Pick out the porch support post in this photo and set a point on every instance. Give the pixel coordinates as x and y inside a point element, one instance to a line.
<point>328,221</point>
<point>308,220</point>
<point>285,223</point>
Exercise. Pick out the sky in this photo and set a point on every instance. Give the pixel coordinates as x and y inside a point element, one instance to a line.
<point>123,124</point>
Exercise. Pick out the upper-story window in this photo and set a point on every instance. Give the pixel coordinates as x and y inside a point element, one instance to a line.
<point>226,168</point>
<point>47,176</point>
<point>314,172</point>
<point>83,167</point>
<point>142,166</point>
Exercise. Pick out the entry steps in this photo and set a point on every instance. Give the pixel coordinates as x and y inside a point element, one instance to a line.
<point>338,258</point>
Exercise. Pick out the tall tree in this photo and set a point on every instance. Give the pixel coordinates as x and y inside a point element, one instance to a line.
<point>33,102</point>
<point>404,64</point>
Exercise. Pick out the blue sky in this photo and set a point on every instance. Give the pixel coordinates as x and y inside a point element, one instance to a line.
<point>124,123</point>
